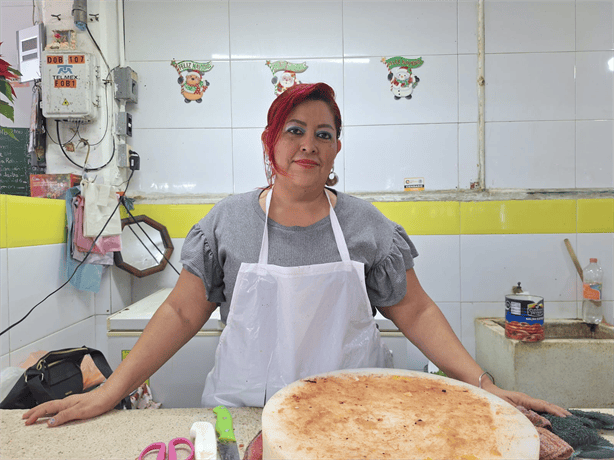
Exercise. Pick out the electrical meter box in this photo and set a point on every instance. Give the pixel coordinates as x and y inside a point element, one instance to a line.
<point>69,86</point>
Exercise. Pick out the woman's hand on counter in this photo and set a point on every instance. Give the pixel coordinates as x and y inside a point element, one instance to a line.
<point>516,398</point>
<point>74,407</point>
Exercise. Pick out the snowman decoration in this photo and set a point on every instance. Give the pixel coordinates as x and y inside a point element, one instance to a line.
<point>402,80</point>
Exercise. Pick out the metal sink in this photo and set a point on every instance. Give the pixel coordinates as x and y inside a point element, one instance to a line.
<point>571,367</point>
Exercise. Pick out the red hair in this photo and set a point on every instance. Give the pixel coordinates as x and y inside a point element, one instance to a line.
<point>284,104</point>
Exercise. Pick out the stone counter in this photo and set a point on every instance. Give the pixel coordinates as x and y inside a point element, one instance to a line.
<point>115,435</point>
<point>121,434</point>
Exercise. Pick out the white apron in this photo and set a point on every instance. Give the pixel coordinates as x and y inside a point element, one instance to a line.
<point>287,323</point>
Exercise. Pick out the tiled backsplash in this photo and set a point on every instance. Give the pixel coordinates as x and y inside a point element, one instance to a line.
<point>549,70</point>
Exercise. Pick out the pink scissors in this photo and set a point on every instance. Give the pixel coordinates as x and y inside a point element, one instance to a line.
<point>172,454</point>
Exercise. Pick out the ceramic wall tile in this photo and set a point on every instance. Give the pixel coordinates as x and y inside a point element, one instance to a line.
<point>468,171</point>
<point>399,28</point>
<point>102,298</point>
<point>369,101</point>
<point>523,87</point>
<point>167,278</point>
<point>101,340</point>
<point>162,105</point>
<point>5,361</point>
<point>529,26</point>
<point>467,26</point>
<point>253,91</point>
<point>266,30</point>
<point>530,155</point>
<point>194,30</point>
<point>66,307</point>
<point>594,147</point>
<point>121,288</point>
<point>183,161</point>
<point>468,88</point>
<point>438,266</point>
<point>595,85</point>
<point>492,264</point>
<point>601,246</point>
<point>594,29</point>
<point>4,301</point>
<point>380,158</point>
<point>74,335</point>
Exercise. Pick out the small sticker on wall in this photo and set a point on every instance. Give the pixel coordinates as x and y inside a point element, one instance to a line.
<point>284,74</point>
<point>414,184</point>
<point>401,76</point>
<point>190,79</point>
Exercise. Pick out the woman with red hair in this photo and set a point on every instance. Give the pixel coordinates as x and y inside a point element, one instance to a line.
<point>297,270</point>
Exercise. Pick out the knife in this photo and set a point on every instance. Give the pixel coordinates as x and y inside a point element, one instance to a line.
<point>226,442</point>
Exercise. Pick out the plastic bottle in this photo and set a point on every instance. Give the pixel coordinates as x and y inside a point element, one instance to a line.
<point>591,305</point>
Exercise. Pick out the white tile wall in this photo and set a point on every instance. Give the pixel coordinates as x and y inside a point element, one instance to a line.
<point>30,281</point>
<point>490,265</point>
<point>529,27</point>
<point>165,30</point>
<point>202,158</point>
<point>594,85</point>
<point>512,162</point>
<point>594,25</point>
<point>396,152</point>
<point>274,30</point>
<point>594,159</point>
<point>4,302</point>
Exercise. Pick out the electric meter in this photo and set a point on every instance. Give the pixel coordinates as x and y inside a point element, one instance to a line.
<point>69,86</point>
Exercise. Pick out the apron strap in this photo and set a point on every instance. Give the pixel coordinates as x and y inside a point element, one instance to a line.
<point>342,246</point>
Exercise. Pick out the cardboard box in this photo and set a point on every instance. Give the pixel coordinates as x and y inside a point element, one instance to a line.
<point>52,185</point>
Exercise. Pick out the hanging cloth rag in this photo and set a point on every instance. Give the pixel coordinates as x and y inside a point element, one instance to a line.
<point>104,244</point>
<point>87,277</point>
<point>100,204</point>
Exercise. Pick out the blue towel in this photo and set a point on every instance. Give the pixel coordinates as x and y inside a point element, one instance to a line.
<point>87,276</point>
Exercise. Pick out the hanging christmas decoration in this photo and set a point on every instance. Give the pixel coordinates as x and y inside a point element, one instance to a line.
<point>402,80</point>
<point>191,79</point>
<point>286,74</point>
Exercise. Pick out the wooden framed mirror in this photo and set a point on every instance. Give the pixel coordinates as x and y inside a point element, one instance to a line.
<point>146,246</point>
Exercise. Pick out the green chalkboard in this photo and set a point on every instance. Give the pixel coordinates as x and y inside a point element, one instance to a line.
<point>15,168</point>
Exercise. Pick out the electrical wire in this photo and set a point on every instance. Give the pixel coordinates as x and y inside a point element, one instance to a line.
<point>97,47</point>
<point>83,168</point>
<point>76,268</point>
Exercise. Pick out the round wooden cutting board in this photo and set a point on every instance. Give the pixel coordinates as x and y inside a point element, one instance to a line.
<point>393,414</point>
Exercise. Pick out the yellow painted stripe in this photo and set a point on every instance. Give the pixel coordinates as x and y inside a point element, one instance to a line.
<point>34,221</point>
<point>177,218</point>
<point>26,221</point>
<point>424,217</point>
<point>513,217</point>
<point>3,243</point>
<point>596,216</point>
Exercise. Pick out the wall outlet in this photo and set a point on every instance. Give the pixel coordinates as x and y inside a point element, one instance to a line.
<point>123,155</point>
<point>124,124</point>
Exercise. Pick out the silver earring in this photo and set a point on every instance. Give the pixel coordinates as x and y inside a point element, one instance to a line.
<point>268,170</point>
<point>333,178</point>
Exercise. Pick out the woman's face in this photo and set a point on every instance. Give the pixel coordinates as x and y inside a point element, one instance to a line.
<point>307,146</point>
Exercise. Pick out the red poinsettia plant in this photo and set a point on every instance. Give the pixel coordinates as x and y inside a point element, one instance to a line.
<point>7,73</point>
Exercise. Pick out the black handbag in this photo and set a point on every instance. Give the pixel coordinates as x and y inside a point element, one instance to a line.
<point>55,376</point>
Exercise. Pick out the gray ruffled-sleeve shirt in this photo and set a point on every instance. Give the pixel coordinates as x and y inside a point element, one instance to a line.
<point>231,233</point>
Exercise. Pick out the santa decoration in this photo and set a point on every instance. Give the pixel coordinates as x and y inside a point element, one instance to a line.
<point>284,74</point>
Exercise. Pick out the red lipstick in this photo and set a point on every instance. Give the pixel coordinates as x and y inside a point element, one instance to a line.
<point>306,163</point>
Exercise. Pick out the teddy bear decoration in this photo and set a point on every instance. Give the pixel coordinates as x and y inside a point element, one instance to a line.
<point>191,73</point>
